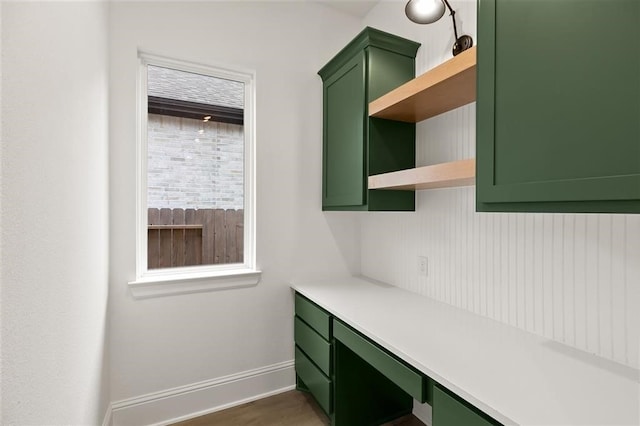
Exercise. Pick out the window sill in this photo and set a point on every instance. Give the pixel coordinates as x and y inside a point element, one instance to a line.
<point>167,284</point>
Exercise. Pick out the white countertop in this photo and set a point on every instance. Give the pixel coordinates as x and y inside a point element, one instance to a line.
<point>512,375</point>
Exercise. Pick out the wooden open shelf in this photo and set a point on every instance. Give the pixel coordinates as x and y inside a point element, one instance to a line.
<point>443,175</point>
<point>450,85</point>
<point>441,89</point>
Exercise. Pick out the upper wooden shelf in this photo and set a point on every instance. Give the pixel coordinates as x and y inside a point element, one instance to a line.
<point>443,175</point>
<point>441,89</point>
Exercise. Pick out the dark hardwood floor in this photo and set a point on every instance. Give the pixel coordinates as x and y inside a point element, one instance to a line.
<point>291,408</point>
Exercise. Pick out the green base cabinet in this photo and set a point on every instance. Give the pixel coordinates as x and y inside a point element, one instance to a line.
<point>371,386</point>
<point>314,352</point>
<point>354,145</point>
<point>363,395</point>
<point>409,380</point>
<point>449,410</point>
<point>558,106</point>
<point>311,379</point>
<point>359,383</point>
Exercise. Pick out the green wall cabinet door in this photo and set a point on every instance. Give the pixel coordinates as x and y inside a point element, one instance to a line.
<point>354,145</point>
<point>558,106</point>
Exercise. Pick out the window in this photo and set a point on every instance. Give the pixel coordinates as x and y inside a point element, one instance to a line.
<point>195,194</point>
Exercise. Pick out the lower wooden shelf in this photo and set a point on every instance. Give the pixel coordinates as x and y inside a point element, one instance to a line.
<point>443,175</point>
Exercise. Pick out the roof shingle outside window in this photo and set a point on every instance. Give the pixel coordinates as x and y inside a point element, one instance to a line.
<point>190,87</point>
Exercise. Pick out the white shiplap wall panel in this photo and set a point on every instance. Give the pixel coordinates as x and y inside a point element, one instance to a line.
<point>574,278</point>
<point>571,278</point>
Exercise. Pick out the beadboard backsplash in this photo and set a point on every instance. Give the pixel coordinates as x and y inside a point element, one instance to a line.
<point>574,278</point>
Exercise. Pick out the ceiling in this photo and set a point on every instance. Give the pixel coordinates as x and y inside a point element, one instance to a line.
<point>357,8</point>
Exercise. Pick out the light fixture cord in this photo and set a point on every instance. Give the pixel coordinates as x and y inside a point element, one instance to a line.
<point>453,17</point>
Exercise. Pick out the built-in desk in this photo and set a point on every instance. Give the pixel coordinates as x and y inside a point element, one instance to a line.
<point>513,376</point>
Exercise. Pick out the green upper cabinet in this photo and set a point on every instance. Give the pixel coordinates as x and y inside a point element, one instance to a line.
<point>558,106</point>
<point>354,145</point>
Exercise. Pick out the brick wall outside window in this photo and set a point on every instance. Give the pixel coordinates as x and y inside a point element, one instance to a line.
<point>193,164</point>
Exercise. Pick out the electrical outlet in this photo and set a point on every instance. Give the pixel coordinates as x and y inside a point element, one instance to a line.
<point>422,266</point>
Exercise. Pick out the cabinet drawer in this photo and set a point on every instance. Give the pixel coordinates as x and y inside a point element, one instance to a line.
<point>313,345</point>
<point>317,383</point>
<point>402,375</point>
<point>318,319</point>
<point>449,410</point>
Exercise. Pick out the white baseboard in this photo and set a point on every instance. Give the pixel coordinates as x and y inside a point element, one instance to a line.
<point>423,412</point>
<point>185,402</point>
<point>108,416</point>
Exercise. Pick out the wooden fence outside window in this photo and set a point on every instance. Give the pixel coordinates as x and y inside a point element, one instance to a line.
<point>186,237</point>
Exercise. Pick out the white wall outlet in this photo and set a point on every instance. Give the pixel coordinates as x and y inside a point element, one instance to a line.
<point>422,265</point>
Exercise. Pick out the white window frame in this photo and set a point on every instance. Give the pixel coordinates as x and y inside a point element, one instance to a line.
<point>190,279</point>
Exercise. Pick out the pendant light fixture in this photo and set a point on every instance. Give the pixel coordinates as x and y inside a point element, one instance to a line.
<point>429,11</point>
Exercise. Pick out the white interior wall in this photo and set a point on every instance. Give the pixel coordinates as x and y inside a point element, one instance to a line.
<point>572,278</point>
<point>162,343</point>
<point>1,216</point>
<point>54,213</point>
